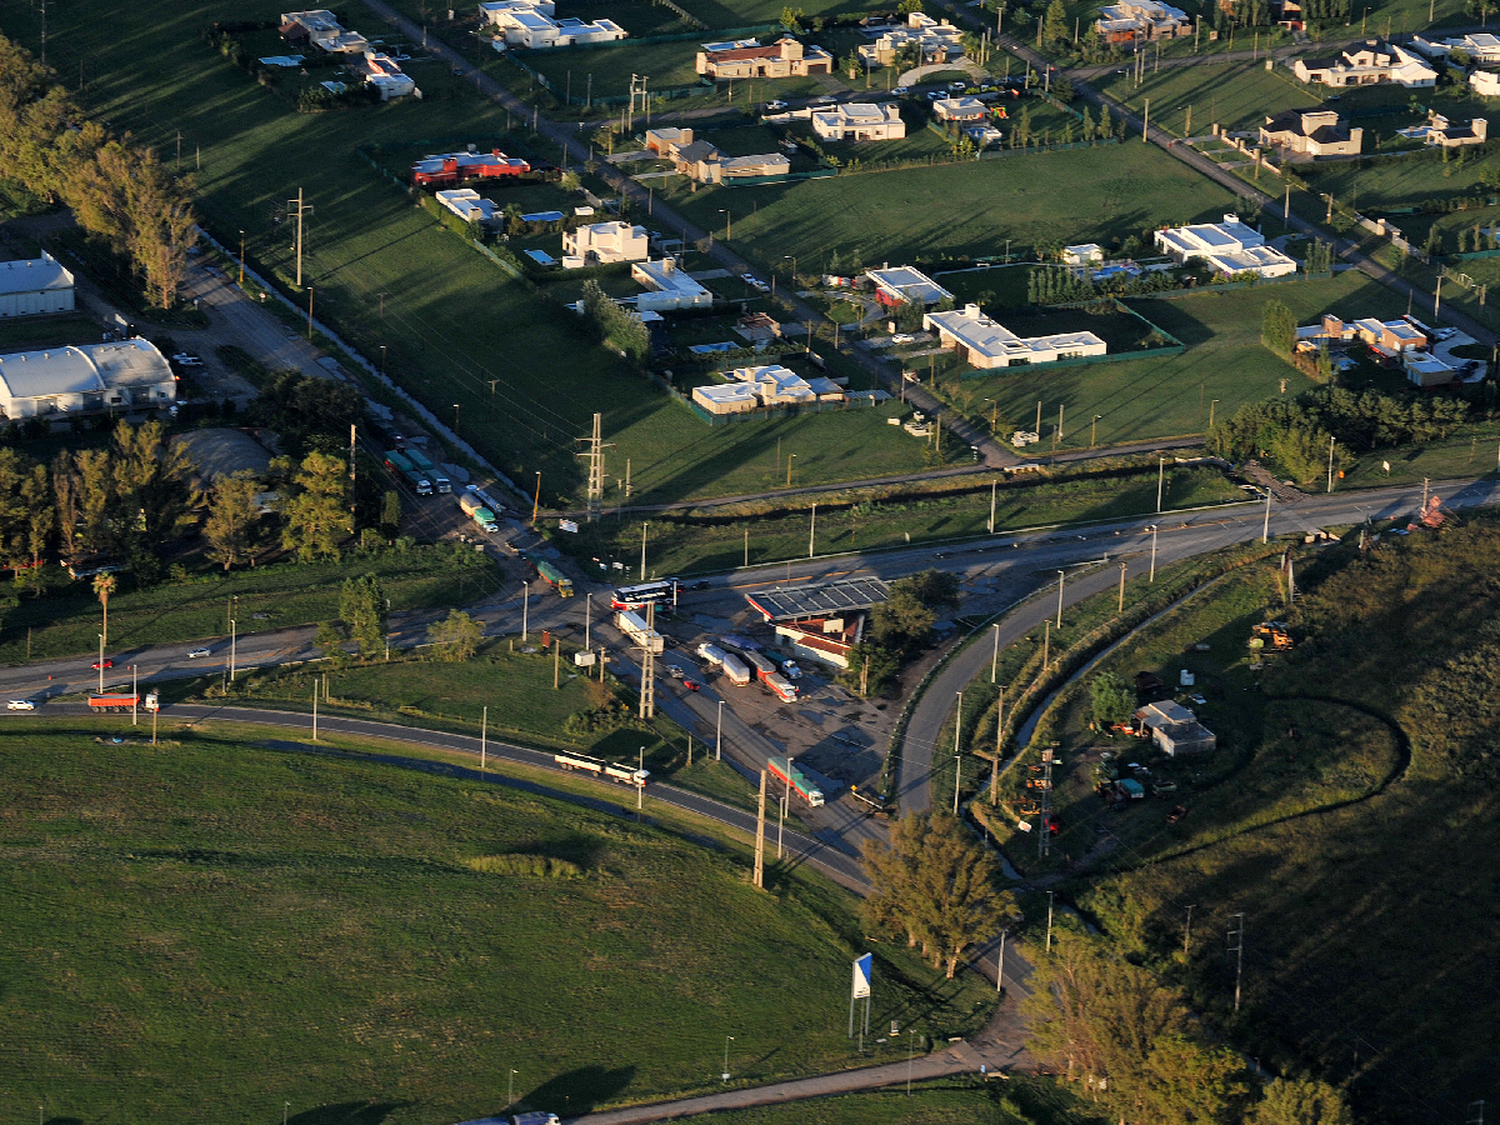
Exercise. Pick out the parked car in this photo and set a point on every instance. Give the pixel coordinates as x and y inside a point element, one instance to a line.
<point>20,705</point>
<point>901,91</point>
<point>187,359</point>
<point>756,283</point>
<point>105,663</point>
<point>197,652</point>
<point>936,95</point>
<point>790,670</point>
<point>958,84</point>
<point>775,106</point>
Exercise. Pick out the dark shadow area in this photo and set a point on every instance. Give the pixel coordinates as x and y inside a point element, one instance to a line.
<point>579,1091</point>
<point>347,1113</point>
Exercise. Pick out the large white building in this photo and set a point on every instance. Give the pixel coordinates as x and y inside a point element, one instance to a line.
<point>985,343</point>
<point>668,287</point>
<point>936,41</point>
<point>750,388</point>
<point>859,121</point>
<point>1374,62</point>
<point>602,243</point>
<point>122,375</point>
<point>321,28</point>
<point>37,285</point>
<point>1229,248</point>
<point>532,23</point>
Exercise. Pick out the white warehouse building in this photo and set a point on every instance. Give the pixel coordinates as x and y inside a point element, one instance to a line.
<point>119,375</point>
<point>37,285</point>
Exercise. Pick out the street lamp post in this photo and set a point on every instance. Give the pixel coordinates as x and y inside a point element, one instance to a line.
<point>510,1093</point>
<point>1153,554</point>
<point>233,636</point>
<point>525,608</point>
<point>728,223</point>
<point>640,790</point>
<point>1049,921</point>
<point>1000,966</point>
<point>719,735</point>
<point>100,665</point>
<point>1060,576</point>
<point>995,659</point>
<point>242,259</point>
<point>455,419</point>
<point>135,694</point>
<point>789,459</point>
<point>1211,404</point>
<point>382,359</point>
<point>588,619</point>
<point>958,760</point>
<point>1094,429</point>
<point>1161,477</point>
<point>728,1039</point>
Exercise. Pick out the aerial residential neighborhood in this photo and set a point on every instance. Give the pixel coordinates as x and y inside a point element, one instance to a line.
<point>702,559</point>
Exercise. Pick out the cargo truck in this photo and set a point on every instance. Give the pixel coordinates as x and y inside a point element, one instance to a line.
<point>784,689</point>
<point>478,512</point>
<point>712,653</point>
<point>760,664</point>
<point>735,670</point>
<point>798,781</point>
<point>555,578</point>
<point>423,464</point>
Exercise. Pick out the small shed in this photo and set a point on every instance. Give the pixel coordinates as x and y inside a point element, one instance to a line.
<point>1175,729</point>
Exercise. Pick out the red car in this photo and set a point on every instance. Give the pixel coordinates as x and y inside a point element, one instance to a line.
<point>106,663</point>
<point>691,685</point>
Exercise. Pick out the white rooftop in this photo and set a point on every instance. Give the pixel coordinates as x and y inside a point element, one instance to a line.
<point>32,274</point>
<point>83,368</point>
<point>907,283</point>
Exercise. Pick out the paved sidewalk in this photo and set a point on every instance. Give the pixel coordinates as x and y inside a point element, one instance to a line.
<point>963,1057</point>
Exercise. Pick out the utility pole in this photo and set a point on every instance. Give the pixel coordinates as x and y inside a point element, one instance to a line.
<point>1121,608</point>
<point>999,740</point>
<point>1187,932</point>
<point>1049,921</point>
<point>995,658</point>
<point>812,530</point>
<point>1237,935</point>
<point>299,209</point>
<point>1152,579</point>
<point>760,834</point>
<point>648,665</point>
<point>595,458</point>
<point>644,525</point>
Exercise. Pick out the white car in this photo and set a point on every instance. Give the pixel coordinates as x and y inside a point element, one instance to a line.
<point>776,106</point>
<point>756,283</point>
<point>790,670</point>
<point>20,705</point>
<point>187,360</point>
<point>901,91</point>
<point>197,652</point>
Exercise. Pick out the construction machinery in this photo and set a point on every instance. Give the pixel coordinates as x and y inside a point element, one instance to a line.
<point>1273,635</point>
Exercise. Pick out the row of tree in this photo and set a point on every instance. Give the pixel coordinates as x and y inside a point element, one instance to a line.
<point>133,499</point>
<point>1136,1049</point>
<point>119,191</point>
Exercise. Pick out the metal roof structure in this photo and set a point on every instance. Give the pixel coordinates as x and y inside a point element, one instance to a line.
<point>35,274</point>
<point>82,369</point>
<point>788,603</point>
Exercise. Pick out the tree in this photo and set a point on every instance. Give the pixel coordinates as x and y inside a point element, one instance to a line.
<point>1106,128</point>
<point>1055,23</point>
<point>455,638</point>
<point>1114,699</point>
<point>1300,1101</point>
<point>104,586</point>
<point>233,515</point>
<point>791,19</point>
<point>390,513</point>
<point>903,622</point>
<point>150,476</point>
<point>315,508</point>
<point>362,606</point>
<point>1062,88</point>
<point>936,883</point>
<point>907,7</point>
<point>1278,327</point>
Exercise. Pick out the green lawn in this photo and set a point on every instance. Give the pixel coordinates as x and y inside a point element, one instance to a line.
<point>66,623</point>
<point>668,64</point>
<point>848,222</point>
<point>1237,96</point>
<point>217,928</point>
<point>1141,399</point>
<point>715,541</point>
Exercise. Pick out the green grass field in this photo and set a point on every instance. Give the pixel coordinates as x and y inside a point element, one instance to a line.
<point>922,214</point>
<point>1236,96</point>
<point>714,541</point>
<point>214,927</point>
<point>1141,399</point>
<point>66,622</point>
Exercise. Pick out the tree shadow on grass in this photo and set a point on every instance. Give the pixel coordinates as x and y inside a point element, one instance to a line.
<point>579,1091</point>
<point>347,1113</point>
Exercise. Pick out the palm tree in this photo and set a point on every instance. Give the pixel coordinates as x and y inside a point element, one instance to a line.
<point>104,586</point>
